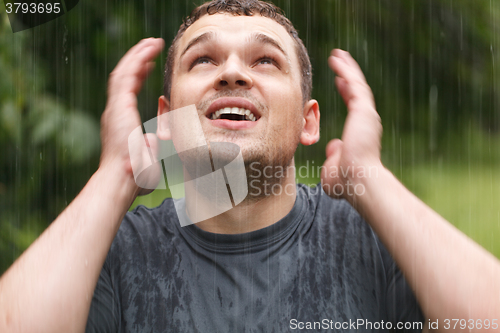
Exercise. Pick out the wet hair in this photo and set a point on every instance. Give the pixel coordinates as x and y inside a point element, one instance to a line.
<point>240,8</point>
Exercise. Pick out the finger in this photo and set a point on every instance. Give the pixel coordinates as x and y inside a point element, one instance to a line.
<point>124,62</point>
<point>343,89</point>
<point>135,83</point>
<point>345,66</point>
<point>130,73</point>
<point>352,84</point>
<point>128,76</point>
<point>148,69</point>
<point>134,50</point>
<point>137,63</point>
<point>346,56</point>
<point>342,68</point>
<point>332,147</point>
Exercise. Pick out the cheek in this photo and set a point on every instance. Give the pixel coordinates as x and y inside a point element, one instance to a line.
<point>186,92</point>
<point>287,109</point>
<point>285,91</point>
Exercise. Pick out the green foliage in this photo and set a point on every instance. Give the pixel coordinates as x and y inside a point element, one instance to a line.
<point>467,196</point>
<point>42,143</point>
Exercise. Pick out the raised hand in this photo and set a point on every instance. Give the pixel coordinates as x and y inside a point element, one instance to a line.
<point>451,276</point>
<point>358,152</point>
<point>121,116</point>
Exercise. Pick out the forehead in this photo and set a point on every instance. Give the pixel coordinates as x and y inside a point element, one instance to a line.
<point>236,28</point>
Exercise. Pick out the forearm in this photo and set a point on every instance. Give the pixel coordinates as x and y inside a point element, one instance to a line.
<point>49,288</point>
<point>453,277</point>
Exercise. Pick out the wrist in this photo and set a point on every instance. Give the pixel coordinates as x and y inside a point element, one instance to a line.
<point>363,181</point>
<point>119,178</point>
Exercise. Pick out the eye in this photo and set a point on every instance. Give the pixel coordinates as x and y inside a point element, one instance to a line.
<point>266,60</point>
<point>201,61</point>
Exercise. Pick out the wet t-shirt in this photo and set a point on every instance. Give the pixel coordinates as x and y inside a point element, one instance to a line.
<point>320,268</point>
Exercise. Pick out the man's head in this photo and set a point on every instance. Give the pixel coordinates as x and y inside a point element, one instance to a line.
<point>243,66</point>
<point>239,8</point>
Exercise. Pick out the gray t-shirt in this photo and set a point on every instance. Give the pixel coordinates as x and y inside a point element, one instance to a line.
<point>320,268</point>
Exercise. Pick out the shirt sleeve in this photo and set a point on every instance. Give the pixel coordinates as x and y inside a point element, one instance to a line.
<point>402,307</point>
<point>104,309</point>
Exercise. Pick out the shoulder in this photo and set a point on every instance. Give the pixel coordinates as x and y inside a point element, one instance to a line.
<point>143,230</point>
<point>147,220</point>
<point>337,213</point>
<point>336,221</point>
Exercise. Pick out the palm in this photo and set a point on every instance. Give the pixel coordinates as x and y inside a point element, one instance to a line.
<point>121,116</point>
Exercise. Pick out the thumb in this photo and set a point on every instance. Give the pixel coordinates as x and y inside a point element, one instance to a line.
<point>148,179</point>
<point>334,147</point>
<point>152,143</point>
<point>330,174</point>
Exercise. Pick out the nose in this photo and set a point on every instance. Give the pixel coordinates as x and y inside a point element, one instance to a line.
<point>233,75</point>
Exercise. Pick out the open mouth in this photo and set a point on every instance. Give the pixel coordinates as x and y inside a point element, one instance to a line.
<point>235,114</point>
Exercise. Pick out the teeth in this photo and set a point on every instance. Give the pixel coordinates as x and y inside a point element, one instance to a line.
<point>243,112</point>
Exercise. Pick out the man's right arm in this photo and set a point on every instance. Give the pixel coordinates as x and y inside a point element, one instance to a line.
<point>49,288</point>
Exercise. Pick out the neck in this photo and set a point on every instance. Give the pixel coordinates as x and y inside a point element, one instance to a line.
<point>253,213</point>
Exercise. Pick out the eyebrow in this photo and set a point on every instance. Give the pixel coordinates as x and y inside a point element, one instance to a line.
<point>203,38</point>
<point>265,39</point>
<point>256,37</point>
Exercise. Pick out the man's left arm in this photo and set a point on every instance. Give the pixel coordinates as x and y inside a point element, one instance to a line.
<point>452,277</point>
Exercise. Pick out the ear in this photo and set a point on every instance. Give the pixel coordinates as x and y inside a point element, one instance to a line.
<point>310,131</point>
<point>163,129</point>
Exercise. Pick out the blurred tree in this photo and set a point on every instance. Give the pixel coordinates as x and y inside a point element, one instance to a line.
<point>44,146</point>
<point>432,65</point>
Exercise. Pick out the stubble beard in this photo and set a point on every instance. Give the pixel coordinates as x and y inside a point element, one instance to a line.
<point>267,161</point>
<point>266,169</point>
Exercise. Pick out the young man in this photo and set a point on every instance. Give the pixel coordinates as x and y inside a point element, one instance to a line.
<point>278,261</point>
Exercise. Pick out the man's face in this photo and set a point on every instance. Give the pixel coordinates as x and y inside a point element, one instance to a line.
<point>242,63</point>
